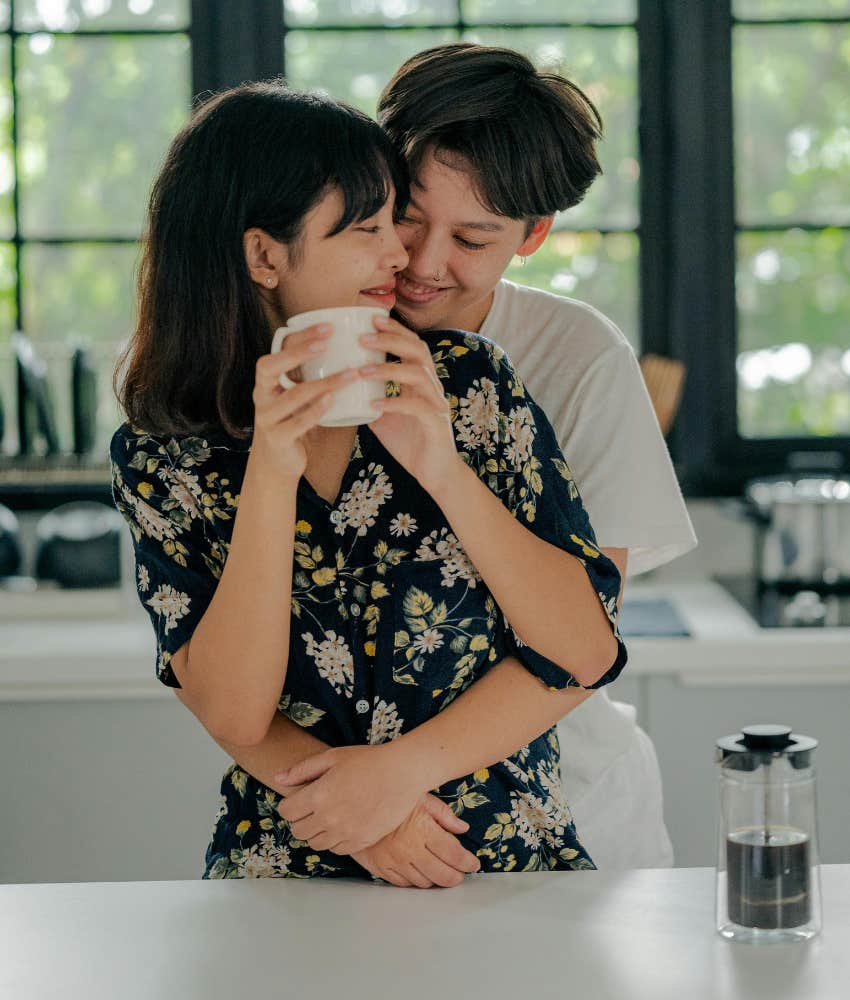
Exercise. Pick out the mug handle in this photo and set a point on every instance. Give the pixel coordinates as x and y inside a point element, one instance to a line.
<point>280,335</point>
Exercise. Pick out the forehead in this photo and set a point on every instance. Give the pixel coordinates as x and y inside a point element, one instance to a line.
<point>324,215</point>
<point>444,188</point>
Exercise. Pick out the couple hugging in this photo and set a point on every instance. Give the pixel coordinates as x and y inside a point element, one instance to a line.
<point>388,626</point>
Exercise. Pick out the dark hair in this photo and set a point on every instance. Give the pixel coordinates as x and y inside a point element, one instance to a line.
<point>259,155</point>
<point>527,138</point>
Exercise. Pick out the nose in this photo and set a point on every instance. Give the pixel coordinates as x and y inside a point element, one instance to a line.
<point>394,253</point>
<point>426,254</point>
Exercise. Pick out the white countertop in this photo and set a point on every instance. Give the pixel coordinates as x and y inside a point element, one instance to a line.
<point>637,935</point>
<point>113,655</point>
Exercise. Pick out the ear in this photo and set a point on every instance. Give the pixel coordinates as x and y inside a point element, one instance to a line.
<point>537,235</point>
<point>265,257</point>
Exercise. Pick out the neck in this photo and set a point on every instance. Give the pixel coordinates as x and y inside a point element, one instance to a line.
<point>472,318</point>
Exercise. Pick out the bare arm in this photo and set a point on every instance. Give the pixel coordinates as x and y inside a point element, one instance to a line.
<point>544,592</point>
<point>287,744</point>
<point>234,667</point>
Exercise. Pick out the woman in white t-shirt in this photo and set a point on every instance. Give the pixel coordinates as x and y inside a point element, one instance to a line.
<point>495,149</point>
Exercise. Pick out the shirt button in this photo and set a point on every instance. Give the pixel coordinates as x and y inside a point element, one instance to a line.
<point>355,610</point>
<point>362,706</point>
<point>336,517</point>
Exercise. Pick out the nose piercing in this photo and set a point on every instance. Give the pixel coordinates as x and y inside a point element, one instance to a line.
<point>437,276</point>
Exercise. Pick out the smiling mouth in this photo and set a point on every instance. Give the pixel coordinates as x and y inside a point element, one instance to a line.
<point>412,291</point>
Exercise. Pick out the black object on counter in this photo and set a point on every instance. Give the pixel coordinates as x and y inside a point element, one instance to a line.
<point>79,545</point>
<point>10,543</point>
<point>35,405</point>
<point>84,401</point>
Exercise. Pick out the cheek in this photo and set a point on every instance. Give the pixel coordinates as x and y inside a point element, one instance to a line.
<point>406,235</point>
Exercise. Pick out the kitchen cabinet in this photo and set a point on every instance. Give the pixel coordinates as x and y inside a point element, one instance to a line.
<point>105,790</point>
<point>685,717</point>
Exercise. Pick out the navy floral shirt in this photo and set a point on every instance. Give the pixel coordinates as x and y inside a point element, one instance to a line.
<point>390,619</point>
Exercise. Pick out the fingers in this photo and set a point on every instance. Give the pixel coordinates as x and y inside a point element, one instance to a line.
<point>415,406</point>
<point>297,348</point>
<point>396,339</point>
<point>449,850</point>
<point>396,878</point>
<point>415,877</point>
<point>304,400</point>
<point>442,813</point>
<point>419,377</point>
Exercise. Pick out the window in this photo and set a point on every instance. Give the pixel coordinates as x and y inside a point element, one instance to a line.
<point>92,91</point>
<point>719,233</point>
<point>792,175</point>
<point>351,50</point>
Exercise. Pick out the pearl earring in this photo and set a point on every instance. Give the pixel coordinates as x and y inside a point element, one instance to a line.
<point>268,281</point>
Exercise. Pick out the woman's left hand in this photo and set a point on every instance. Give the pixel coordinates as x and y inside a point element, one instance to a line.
<point>350,797</point>
<point>415,427</point>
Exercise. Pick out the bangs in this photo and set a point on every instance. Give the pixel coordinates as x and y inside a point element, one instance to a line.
<point>365,166</point>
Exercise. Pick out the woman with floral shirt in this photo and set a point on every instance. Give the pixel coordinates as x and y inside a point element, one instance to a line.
<point>423,594</point>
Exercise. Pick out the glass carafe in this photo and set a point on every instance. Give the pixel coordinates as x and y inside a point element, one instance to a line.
<point>768,872</point>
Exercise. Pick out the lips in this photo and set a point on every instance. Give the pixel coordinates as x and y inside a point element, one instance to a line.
<point>413,292</point>
<point>385,294</point>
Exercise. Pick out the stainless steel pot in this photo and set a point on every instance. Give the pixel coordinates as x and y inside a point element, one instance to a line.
<point>803,531</point>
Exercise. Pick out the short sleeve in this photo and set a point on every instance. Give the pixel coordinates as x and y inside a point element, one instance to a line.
<point>522,464</point>
<point>171,498</point>
<point>654,525</point>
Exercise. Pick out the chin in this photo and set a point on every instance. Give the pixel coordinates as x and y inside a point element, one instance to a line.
<point>418,324</point>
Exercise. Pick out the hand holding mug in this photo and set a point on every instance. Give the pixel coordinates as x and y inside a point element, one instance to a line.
<point>415,427</point>
<point>353,404</point>
<point>282,416</point>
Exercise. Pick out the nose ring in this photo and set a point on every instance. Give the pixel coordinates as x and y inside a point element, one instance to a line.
<point>437,276</point>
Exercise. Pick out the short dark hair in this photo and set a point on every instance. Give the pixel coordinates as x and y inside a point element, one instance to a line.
<point>526,137</point>
<point>259,155</point>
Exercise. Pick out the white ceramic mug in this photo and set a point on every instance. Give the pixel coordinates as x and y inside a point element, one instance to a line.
<point>352,404</point>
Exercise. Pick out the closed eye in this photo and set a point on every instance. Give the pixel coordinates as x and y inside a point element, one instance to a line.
<point>368,229</point>
<point>469,245</point>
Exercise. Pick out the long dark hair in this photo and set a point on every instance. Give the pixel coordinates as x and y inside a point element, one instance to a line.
<point>259,155</point>
<point>527,137</point>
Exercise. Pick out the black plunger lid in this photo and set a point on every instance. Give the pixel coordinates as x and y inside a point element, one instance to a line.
<point>756,743</point>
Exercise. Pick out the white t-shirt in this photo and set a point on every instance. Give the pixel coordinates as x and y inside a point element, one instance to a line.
<point>583,373</point>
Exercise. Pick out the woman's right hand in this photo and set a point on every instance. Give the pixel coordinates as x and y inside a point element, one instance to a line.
<point>283,416</point>
<point>423,851</point>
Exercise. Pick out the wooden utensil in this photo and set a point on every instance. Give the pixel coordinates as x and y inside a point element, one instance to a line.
<point>665,380</point>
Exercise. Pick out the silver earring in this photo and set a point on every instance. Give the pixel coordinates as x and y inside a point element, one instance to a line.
<point>437,276</point>
<point>268,281</point>
<point>523,259</point>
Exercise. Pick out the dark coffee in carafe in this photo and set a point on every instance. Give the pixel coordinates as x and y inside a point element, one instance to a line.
<point>768,876</point>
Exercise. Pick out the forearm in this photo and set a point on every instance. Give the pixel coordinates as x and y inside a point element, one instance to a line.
<point>285,744</point>
<point>502,711</point>
<point>238,653</point>
<point>543,591</point>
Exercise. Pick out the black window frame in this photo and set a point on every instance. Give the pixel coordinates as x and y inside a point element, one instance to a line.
<point>687,228</point>
<point>689,128</point>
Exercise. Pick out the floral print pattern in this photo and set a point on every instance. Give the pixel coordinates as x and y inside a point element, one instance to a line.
<point>390,619</point>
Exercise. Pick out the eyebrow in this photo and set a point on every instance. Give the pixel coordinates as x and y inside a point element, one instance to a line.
<point>484,227</point>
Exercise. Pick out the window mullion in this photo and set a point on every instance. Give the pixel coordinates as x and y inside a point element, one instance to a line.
<point>701,250</point>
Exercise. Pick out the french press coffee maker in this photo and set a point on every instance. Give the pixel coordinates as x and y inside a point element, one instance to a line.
<point>768,873</point>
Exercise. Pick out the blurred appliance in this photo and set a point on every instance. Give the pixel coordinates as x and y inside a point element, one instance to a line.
<point>10,543</point>
<point>802,528</point>
<point>788,605</point>
<point>35,405</point>
<point>79,545</point>
<point>801,554</point>
<point>84,401</point>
